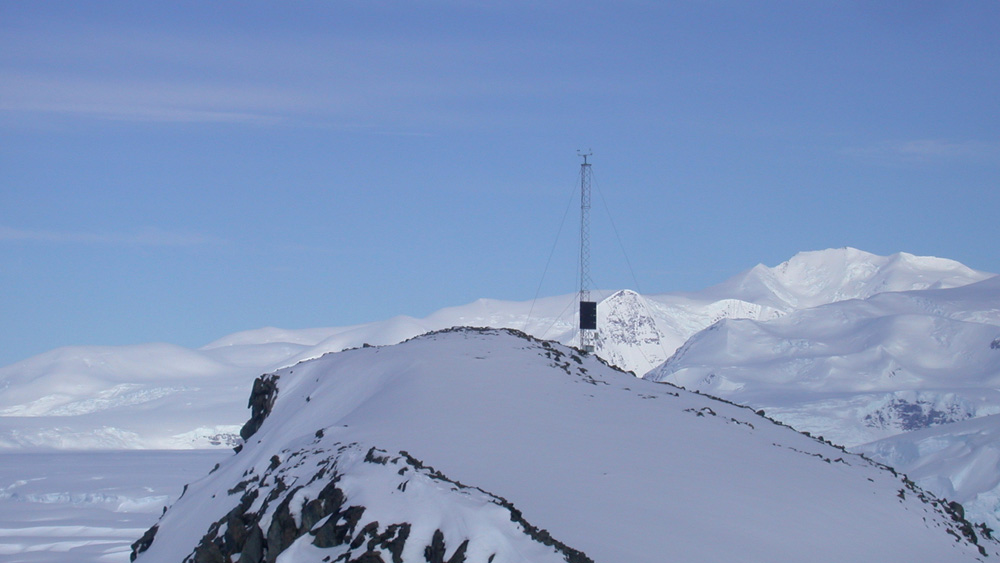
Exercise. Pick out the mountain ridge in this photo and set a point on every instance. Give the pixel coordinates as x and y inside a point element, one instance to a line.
<point>814,278</point>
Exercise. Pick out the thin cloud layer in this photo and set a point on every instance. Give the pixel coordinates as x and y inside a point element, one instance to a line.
<point>920,151</point>
<point>338,81</point>
<point>146,237</point>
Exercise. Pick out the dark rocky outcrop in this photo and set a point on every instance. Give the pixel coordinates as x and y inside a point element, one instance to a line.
<point>914,415</point>
<point>143,543</point>
<point>262,396</point>
<point>330,518</point>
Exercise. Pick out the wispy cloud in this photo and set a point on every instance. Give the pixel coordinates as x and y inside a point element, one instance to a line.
<point>117,74</point>
<point>929,151</point>
<point>138,100</point>
<point>145,237</point>
<point>349,81</point>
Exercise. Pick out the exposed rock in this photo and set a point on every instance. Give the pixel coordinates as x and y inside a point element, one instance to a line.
<point>331,521</point>
<point>143,543</point>
<point>914,415</point>
<point>265,390</point>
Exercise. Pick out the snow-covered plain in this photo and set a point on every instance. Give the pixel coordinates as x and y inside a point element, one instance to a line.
<point>856,347</point>
<point>88,507</point>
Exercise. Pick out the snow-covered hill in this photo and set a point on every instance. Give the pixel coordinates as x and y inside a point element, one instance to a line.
<point>486,445</point>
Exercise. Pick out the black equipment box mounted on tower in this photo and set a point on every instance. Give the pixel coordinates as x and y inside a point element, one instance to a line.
<point>588,315</point>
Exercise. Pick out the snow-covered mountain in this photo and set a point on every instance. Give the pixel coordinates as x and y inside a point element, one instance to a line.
<point>165,396</point>
<point>811,279</point>
<point>485,445</point>
<point>857,370</point>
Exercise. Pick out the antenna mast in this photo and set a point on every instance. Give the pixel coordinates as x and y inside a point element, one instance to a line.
<point>588,308</point>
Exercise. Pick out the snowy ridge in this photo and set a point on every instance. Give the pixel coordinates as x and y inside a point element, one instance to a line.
<point>561,443</point>
<point>810,279</point>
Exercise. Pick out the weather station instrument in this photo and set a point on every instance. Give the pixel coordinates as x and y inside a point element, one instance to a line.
<point>588,308</point>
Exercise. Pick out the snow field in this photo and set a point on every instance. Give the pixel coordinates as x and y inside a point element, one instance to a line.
<point>88,507</point>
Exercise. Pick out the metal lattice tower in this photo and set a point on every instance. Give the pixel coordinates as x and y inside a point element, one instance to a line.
<point>588,308</point>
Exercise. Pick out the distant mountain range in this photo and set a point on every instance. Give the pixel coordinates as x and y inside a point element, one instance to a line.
<point>840,343</point>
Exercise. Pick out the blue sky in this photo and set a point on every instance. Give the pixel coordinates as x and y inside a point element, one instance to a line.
<point>181,171</point>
